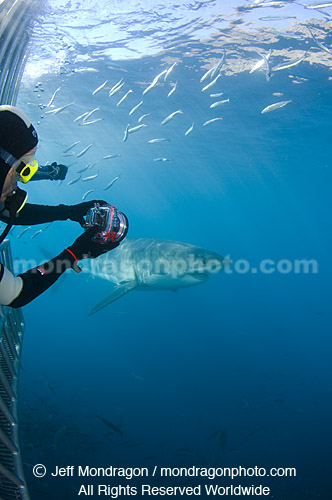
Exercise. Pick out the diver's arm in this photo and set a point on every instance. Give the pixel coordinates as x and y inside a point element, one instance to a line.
<point>19,291</point>
<point>53,172</point>
<point>31,214</point>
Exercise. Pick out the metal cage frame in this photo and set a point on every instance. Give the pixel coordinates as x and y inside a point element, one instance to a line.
<point>12,482</point>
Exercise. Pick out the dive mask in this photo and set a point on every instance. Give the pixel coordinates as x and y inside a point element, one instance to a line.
<point>27,170</point>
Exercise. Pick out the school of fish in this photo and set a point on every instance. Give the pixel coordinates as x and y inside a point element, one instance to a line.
<point>211,81</point>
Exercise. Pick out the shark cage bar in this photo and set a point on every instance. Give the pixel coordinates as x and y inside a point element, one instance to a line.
<point>12,483</point>
<point>16,22</point>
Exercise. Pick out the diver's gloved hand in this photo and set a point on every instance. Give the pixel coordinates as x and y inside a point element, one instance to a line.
<point>59,171</point>
<point>86,248</point>
<point>53,172</point>
<point>77,212</point>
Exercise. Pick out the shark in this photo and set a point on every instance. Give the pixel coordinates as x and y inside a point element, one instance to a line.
<point>152,264</point>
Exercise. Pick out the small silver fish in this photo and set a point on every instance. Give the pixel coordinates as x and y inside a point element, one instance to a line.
<point>87,167</point>
<point>211,121</point>
<point>90,122</point>
<point>284,34</point>
<point>81,116</point>
<point>36,234</point>
<point>91,177</point>
<point>58,110</point>
<point>172,90</point>
<point>84,168</point>
<point>154,83</point>
<point>23,232</point>
<point>155,141</point>
<point>213,71</point>
<point>116,89</point>
<point>123,98</point>
<point>115,430</point>
<point>135,107</point>
<point>276,18</point>
<point>209,85</point>
<point>87,194</point>
<point>317,42</point>
<point>318,5</point>
<point>70,183</point>
<point>298,81</point>
<point>289,64</point>
<point>70,147</point>
<point>258,65</point>
<point>98,89</point>
<point>169,117</point>
<point>89,113</point>
<point>160,75</point>
<point>274,106</point>
<point>207,74</point>
<point>115,86</point>
<point>219,103</point>
<point>218,65</point>
<point>110,184</point>
<point>149,87</point>
<point>269,4</point>
<point>168,71</point>
<point>262,61</point>
<point>53,97</point>
<point>94,164</point>
<point>267,69</point>
<point>125,135</point>
<point>47,226</point>
<point>142,117</point>
<point>108,157</point>
<point>84,150</point>
<point>161,159</point>
<point>190,129</point>
<point>135,129</point>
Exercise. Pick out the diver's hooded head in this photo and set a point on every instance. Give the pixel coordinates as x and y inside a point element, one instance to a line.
<point>17,137</point>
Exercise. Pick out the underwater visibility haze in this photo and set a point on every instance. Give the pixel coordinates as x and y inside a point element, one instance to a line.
<point>237,370</point>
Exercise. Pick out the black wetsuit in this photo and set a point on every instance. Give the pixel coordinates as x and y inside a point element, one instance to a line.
<point>18,291</point>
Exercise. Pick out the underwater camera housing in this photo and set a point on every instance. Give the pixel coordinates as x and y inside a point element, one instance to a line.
<point>111,223</point>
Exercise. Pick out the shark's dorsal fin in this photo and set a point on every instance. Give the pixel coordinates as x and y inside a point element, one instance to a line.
<point>118,292</point>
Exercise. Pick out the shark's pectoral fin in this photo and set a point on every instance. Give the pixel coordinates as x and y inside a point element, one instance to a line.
<point>116,294</point>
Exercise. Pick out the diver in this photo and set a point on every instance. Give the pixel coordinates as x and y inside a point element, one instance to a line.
<point>18,144</point>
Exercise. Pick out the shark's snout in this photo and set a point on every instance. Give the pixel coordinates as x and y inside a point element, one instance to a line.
<point>206,263</point>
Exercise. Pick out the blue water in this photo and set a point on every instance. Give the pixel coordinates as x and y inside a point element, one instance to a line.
<point>247,353</point>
